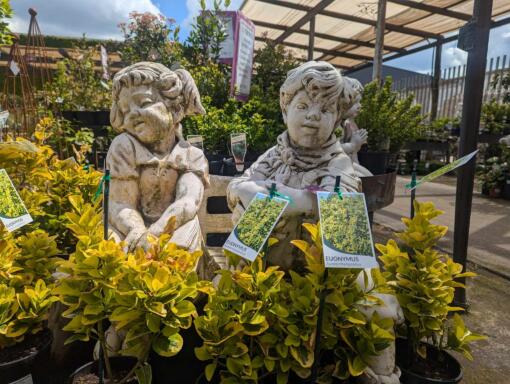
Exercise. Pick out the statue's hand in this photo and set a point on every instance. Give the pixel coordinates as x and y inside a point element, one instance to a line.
<point>133,237</point>
<point>248,189</point>
<point>359,137</point>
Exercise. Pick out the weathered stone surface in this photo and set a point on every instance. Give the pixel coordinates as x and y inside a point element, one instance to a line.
<point>155,174</point>
<point>315,99</point>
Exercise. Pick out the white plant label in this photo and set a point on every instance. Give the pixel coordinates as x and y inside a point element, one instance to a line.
<point>14,67</point>
<point>13,213</point>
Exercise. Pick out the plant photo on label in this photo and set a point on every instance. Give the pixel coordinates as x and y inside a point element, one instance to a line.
<point>258,221</point>
<point>10,204</point>
<point>345,224</point>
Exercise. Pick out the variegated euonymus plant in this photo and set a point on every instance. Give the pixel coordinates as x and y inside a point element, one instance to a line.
<point>260,322</point>
<point>147,295</point>
<point>26,265</point>
<point>424,281</point>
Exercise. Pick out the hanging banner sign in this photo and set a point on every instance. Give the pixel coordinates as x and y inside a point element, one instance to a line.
<point>255,226</point>
<point>227,46</point>
<point>441,171</point>
<point>13,212</point>
<point>345,227</point>
<point>237,50</point>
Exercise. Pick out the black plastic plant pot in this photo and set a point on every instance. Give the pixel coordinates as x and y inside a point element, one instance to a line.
<point>119,364</point>
<point>375,162</point>
<point>93,118</point>
<point>506,190</point>
<point>32,367</point>
<point>216,167</point>
<point>229,167</point>
<point>442,368</point>
<point>183,367</point>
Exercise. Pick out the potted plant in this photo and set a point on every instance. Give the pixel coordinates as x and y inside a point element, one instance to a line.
<point>390,122</point>
<point>26,266</point>
<point>146,296</point>
<point>260,325</point>
<point>45,183</point>
<point>493,174</point>
<point>424,281</point>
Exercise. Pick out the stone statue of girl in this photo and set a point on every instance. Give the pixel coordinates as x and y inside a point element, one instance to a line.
<point>155,174</point>
<point>308,156</point>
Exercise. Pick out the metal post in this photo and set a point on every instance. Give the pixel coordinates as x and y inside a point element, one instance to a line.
<point>413,184</point>
<point>311,40</point>
<point>471,109</point>
<point>379,41</point>
<point>436,79</point>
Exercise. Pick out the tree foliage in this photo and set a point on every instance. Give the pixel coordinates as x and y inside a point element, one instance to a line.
<point>5,13</point>
<point>150,37</point>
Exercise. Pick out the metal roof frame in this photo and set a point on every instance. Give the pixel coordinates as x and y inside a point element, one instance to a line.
<point>323,8</point>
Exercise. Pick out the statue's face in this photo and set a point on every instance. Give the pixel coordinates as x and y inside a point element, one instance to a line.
<point>145,115</point>
<point>310,122</point>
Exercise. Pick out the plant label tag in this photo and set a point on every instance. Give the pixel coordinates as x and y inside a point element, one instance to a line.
<point>14,67</point>
<point>196,141</point>
<point>255,226</point>
<point>13,212</point>
<point>24,380</point>
<point>441,171</point>
<point>345,230</point>
<point>238,146</point>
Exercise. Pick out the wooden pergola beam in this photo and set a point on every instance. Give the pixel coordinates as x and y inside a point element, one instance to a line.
<point>305,19</point>
<point>325,36</point>
<point>328,52</point>
<point>355,19</point>
<point>432,9</point>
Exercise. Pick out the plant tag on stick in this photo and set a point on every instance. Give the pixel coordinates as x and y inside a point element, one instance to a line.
<point>239,146</point>
<point>345,227</point>
<point>255,226</point>
<point>441,171</point>
<point>13,212</point>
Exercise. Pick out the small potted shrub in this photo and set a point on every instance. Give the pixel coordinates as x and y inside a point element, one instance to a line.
<point>260,325</point>
<point>424,281</point>
<point>390,122</point>
<point>147,297</point>
<point>493,174</point>
<point>26,266</point>
<point>45,182</point>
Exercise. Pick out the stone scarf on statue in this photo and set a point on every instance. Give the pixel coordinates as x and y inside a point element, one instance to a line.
<point>283,162</point>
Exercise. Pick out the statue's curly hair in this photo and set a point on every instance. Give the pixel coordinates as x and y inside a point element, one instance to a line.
<point>319,79</point>
<point>177,88</point>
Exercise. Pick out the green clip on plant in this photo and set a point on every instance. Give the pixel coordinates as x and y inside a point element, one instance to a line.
<point>424,281</point>
<point>147,296</point>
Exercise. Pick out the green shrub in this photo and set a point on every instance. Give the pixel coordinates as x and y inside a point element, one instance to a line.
<point>424,281</point>
<point>388,118</point>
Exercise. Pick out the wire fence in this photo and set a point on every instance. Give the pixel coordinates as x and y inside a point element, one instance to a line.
<point>451,87</point>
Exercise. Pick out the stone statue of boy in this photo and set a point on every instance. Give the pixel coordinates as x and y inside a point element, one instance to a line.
<point>308,155</point>
<point>155,174</point>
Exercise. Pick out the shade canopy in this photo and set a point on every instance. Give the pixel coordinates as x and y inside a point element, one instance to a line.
<point>345,30</point>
